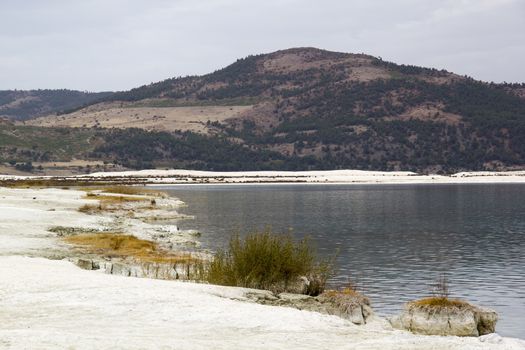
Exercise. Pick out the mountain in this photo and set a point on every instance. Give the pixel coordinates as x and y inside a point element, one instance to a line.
<point>306,108</point>
<point>21,105</point>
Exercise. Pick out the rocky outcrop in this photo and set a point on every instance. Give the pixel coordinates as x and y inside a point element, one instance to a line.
<point>465,320</point>
<point>143,270</point>
<point>300,285</point>
<point>351,306</point>
<point>87,264</point>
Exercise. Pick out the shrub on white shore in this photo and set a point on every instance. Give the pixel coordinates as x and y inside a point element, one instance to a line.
<point>264,260</point>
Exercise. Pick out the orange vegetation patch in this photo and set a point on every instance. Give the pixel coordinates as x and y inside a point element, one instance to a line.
<point>111,203</point>
<point>115,199</point>
<point>439,302</point>
<point>127,246</point>
<point>133,190</point>
<point>127,190</point>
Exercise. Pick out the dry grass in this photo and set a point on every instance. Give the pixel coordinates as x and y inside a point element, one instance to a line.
<point>42,183</point>
<point>109,199</point>
<point>123,190</point>
<point>345,299</point>
<point>128,246</point>
<point>112,242</point>
<point>133,190</point>
<point>345,291</point>
<point>148,118</point>
<point>91,208</point>
<point>112,202</point>
<point>439,303</point>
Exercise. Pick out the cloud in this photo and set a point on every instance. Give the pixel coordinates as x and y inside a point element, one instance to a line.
<point>102,45</point>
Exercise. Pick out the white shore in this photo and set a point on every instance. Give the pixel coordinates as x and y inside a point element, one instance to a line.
<point>53,304</point>
<point>322,177</point>
<point>162,177</point>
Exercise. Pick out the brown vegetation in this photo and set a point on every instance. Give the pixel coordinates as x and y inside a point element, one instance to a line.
<point>439,303</point>
<point>133,190</point>
<point>110,199</point>
<point>50,182</point>
<point>344,291</point>
<point>128,246</point>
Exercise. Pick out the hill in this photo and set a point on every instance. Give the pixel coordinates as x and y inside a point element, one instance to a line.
<point>21,105</point>
<point>307,108</point>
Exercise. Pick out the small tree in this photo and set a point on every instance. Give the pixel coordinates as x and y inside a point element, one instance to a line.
<point>440,289</point>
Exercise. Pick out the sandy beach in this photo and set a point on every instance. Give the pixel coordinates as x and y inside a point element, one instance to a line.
<point>49,303</point>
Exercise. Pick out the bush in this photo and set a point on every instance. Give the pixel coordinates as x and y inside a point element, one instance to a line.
<point>264,260</point>
<point>26,167</point>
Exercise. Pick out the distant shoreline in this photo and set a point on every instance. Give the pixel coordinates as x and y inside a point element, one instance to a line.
<point>333,177</point>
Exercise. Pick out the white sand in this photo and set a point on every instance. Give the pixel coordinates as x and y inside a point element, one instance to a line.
<point>26,214</point>
<point>54,305</point>
<point>49,304</point>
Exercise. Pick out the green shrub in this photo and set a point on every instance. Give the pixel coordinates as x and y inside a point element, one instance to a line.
<point>264,260</point>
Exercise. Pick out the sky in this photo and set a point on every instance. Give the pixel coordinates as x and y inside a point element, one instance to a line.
<point>101,45</point>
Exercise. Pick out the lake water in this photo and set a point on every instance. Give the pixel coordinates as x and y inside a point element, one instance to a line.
<point>394,241</point>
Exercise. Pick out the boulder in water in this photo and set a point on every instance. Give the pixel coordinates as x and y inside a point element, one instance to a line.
<point>442,316</point>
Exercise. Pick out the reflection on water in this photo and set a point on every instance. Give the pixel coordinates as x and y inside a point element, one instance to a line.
<point>393,240</point>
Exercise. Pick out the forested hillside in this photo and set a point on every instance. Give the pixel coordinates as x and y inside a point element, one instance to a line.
<point>336,110</point>
<point>313,109</point>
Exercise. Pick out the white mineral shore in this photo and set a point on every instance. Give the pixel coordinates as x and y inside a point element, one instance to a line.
<point>316,177</point>
<point>27,214</point>
<point>53,304</point>
<point>328,176</point>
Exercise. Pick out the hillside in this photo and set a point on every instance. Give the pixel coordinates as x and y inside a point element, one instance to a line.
<point>21,105</point>
<point>307,108</point>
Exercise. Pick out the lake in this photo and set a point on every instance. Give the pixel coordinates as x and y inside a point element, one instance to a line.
<point>394,241</point>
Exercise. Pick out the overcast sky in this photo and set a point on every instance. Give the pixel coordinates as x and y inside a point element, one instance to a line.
<point>100,45</point>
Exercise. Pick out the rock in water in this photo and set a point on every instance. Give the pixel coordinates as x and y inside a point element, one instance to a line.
<point>486,321</point>
<point>466,320</point>
<point>345,304</point>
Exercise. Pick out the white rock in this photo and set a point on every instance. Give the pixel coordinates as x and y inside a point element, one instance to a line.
<point>469,321</point>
